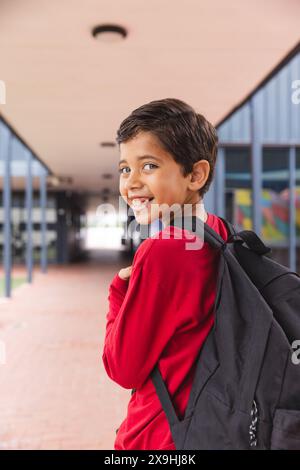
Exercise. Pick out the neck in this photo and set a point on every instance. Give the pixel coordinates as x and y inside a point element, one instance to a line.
<point>197,209</point>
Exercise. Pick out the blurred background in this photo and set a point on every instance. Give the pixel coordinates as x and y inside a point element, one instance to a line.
<point>70,72</point>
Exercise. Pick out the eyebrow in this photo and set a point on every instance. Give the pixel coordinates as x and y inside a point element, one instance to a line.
<point>143,157</point>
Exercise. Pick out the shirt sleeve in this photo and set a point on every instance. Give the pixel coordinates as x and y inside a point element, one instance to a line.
<point>117,292</point>
<point>147,319</point>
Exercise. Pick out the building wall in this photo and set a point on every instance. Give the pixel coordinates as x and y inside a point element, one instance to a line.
<point>269,121</point>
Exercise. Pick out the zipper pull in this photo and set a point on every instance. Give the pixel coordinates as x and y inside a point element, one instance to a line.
<point>253,425</point>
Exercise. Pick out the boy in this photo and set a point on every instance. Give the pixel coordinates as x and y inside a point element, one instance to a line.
<point>161,307</point>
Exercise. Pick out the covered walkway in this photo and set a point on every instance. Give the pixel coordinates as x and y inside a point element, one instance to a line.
<point>55,393</point>
<point>70,73</point>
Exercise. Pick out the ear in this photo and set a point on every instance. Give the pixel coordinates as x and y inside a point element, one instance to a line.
<point>199,175</point>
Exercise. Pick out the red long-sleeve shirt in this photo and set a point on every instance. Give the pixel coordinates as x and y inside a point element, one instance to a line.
<point>161,315</point>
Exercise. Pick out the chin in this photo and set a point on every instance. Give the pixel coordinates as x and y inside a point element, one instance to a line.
<point>146,217</point>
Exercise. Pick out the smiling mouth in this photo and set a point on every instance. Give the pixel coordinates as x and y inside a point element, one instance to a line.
<point>138,206</point>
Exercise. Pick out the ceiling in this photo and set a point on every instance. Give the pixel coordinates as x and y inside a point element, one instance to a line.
<point>66,92</point>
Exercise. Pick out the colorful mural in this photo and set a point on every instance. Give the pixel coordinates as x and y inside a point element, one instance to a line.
<point>275,210</point>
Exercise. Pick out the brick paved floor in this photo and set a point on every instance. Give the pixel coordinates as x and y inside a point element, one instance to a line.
<point>55,393</point>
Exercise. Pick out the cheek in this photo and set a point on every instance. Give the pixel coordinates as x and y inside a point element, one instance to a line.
<point>122,192</point>
<point>170,190</point>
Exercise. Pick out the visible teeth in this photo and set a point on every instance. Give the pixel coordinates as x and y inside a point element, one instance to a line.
<point>139,202</point>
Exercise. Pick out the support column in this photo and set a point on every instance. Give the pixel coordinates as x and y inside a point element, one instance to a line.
<point>209,199</point>
<point>256,126</point>
<point>292,208</point>
<point>220,183</point>
<point>29,245</point>
<point>43,227</point>
<point>5,154</point>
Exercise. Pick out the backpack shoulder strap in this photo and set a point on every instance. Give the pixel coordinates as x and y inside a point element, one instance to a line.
<point>164,396</point>
<point>230,228</point>
<point>254,242</point>
<point>251,239</point>
<point>200,228</point>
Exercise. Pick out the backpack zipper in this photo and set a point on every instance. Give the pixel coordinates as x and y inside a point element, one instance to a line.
<point>253,425</point>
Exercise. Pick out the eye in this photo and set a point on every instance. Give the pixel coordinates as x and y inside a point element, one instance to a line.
<point>151,164</point>
<point>155,166</point>
<point>121,169</point>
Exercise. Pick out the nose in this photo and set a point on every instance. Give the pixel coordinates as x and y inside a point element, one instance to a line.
<point>132,181</point>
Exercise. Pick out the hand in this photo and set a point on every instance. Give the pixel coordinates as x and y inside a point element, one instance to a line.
<point>125,273</point>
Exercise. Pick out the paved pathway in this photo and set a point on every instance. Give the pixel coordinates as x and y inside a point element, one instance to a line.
<point>55,393</point>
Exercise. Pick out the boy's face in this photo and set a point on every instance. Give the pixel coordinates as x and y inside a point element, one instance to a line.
<point>156,176</point>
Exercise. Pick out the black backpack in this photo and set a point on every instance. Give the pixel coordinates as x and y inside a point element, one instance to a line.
<point>246,388</point>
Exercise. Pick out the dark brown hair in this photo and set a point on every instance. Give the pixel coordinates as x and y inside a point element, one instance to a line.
<point>183,133</point>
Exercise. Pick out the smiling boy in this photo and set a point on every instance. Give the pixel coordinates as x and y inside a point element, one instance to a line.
<point>161,308</point>
<point>165,186</point>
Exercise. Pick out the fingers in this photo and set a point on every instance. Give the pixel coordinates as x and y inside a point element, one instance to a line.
<point>125,273</point>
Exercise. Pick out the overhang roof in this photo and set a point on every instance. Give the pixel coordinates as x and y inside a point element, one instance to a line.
<point>66,92</point>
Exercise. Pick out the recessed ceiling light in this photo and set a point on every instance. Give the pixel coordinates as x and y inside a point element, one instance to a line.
<point>53,180</point>
<point>107,144</point>
<point>66,179</point>
<point>109,32</point>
